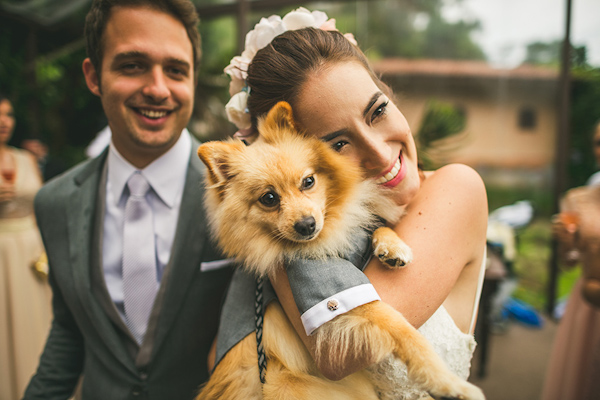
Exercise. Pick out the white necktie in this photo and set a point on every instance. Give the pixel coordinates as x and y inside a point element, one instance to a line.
<point>139,258</point>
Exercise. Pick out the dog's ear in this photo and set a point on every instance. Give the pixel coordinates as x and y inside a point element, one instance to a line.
<point>279,119</point>
<point>216,155</point>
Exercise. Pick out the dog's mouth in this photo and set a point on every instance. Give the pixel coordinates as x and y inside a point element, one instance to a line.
<point>395,175</point>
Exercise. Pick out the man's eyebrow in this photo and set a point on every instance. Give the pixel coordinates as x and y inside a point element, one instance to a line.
<point>371,102</point>
<point>139,54</point>
<point>179,62</point>
<point>129,54</point>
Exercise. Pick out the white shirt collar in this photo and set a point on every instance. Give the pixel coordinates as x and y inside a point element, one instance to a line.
<point>166,175</point>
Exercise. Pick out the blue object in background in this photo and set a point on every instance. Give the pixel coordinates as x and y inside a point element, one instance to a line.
<point>523,313</point>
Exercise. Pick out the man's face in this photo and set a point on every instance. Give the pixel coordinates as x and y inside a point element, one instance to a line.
<point>147,81</point>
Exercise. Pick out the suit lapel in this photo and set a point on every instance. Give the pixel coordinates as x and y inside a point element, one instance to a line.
<point>82,213</point>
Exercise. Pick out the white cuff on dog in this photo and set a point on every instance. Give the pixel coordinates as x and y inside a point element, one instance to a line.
<point>338,304</point>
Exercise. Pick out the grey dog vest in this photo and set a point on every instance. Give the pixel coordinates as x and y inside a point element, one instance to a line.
<point>311,281</point>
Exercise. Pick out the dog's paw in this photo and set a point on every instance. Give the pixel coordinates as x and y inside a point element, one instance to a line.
<point>390,249</point>
<point>462,391</point>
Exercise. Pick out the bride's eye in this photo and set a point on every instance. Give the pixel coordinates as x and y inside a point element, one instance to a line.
<point>380,111</point>
<point>337,146</point>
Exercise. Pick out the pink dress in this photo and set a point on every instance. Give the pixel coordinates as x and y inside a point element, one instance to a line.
<point>574,369</point>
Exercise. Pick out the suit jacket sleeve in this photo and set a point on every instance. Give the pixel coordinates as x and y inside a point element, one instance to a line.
<point>324,289</point>
<point>62,360</point>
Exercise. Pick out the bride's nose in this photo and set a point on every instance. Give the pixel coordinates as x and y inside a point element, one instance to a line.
<point>375,155</point>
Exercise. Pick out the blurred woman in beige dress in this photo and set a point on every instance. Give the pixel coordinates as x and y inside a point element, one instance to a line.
<point>25,297</point>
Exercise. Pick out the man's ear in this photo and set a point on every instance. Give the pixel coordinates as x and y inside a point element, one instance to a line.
<point>91,77</point>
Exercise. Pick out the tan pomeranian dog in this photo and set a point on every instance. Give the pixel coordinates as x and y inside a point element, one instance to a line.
<point>290,195</point>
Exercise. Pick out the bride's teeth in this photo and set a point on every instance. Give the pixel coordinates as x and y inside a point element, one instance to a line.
<point>390,175</point>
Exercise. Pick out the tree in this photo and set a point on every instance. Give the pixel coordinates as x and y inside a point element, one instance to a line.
<point>549,53</point>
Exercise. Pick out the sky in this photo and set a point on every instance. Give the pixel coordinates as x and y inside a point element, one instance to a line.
<point>509,25</point>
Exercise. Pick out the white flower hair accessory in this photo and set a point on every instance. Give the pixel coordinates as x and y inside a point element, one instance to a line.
<point>262,34</point>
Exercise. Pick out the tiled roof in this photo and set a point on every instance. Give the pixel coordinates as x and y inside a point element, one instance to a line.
<point>459,68</point>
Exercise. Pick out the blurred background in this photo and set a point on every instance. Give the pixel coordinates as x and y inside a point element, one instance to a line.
<point>509,87</point>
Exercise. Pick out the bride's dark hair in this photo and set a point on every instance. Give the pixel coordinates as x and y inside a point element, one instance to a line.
<point>279,70</point>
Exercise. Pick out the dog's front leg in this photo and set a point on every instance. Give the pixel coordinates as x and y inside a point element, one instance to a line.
<point>376,330</point>
<point>391,250</point>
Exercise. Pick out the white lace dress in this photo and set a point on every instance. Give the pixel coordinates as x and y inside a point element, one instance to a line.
<point>453,345</point>
<point>449,342</point>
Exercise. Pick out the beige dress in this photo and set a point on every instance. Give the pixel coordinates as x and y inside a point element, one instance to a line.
<point>574,369</point>
<point>25,299</point>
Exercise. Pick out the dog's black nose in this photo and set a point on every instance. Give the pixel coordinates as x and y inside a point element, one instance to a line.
<point>306,226</point>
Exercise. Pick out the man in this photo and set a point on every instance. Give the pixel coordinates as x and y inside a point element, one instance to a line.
<point>146,338</point>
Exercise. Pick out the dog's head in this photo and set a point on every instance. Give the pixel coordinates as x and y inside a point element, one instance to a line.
<point>285,192</point>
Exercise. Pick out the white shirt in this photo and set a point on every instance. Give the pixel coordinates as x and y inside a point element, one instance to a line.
<point>166,176</point>
<point>594,180</point>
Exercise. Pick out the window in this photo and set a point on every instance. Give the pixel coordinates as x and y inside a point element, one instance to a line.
<point>527,118</point>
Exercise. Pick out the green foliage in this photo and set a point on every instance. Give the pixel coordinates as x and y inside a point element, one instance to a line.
<point>585,114</point>
<point>441,120</point>
<point>407,29</point>
<point>540,199</point>
<point>550,54</point>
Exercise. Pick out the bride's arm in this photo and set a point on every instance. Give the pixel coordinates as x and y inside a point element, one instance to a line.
<point>445,226</point>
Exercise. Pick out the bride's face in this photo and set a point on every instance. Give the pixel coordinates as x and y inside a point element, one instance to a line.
<point>342,105</point>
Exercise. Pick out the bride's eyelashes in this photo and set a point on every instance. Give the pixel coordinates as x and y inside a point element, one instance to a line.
<point>380,111</point>
<point>339,145</point>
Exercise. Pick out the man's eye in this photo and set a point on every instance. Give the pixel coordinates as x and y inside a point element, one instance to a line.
<point>308,182</point>
<point>337,146</point>
<point>180,72</point>
<point>269,199</point>
<point>131,67</point>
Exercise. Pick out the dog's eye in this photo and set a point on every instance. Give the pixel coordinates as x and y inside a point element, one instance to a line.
<point>269,199</point>
<point>308,182</point>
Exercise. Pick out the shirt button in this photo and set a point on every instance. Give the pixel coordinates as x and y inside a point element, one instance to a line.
<point>333,304</point>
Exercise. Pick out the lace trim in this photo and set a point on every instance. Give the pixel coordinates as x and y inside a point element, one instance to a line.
<point>449,342</point>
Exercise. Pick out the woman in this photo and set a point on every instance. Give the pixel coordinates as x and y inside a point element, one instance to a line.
<point>336,96</point>
<point>574,365</point>
<point>25,312</point>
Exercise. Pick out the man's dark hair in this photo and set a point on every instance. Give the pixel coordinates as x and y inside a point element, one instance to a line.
<point>99,14</point>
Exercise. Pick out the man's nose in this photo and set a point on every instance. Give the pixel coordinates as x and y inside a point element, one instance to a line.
<point>156,87</point>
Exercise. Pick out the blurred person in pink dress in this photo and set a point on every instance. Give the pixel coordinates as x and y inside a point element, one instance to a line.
<point>25,297</point>
<point>574,368</point>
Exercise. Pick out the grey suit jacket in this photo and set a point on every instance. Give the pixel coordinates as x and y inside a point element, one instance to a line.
<point>87,335</point>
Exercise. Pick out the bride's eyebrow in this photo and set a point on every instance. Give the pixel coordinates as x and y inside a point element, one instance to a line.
<point>333,135</point>
<point>371,102</point>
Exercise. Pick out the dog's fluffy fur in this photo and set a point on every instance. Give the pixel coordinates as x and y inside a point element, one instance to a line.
<point>289,195</point>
